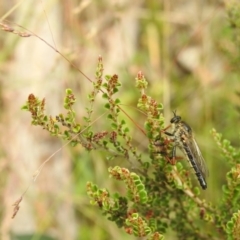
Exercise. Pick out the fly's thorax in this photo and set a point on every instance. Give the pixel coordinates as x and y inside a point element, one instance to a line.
<point>181,128</point>
<point>177,133</point>
<point>186,127</point>
<point>181,133</point>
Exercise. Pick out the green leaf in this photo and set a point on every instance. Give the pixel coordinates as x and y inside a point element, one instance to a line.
<point>105,85</point>
<point>117,101</point>
<point>105,143</point>
<point>66,133</point>
<point>196,191</point>
<point>68,91</point>
<point>105,96</point>
<point>115,90</point>
<point>108,77</point>
<point>24,107</point>
<point>109,158</point>
<point>140,187</point>
<point>90,97</point>
<point>74,143</point>
<point>114,126</point>
<point>110,116</point>
<point>230,225</point>
<point>179,166</point>
<point>146,165</point>
<point>123,122</point>
<point>76,129</point>
<point>137,182</point>
<point>66,106</point>
<point>107,105</point>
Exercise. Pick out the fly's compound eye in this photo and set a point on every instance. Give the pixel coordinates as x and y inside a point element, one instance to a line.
<point>175,119</point>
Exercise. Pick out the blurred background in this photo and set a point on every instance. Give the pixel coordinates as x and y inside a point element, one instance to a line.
<point>187,50</point>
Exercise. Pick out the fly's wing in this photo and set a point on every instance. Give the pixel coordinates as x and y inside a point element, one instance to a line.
<point>199,160</point>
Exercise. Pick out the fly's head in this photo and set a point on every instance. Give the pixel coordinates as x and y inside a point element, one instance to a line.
<point>176,119</point>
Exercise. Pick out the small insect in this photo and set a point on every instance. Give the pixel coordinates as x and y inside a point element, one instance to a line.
<point>183,138</point>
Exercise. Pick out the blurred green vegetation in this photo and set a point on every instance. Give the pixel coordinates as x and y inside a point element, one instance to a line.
<point>189,52</point>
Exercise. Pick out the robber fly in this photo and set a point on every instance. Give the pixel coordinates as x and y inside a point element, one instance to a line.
<point>183,138</point>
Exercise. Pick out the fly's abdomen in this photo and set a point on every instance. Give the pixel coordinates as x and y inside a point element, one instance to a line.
<point>194,162</point>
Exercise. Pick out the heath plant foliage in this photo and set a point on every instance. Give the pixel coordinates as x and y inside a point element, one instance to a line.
<point>159,194</point>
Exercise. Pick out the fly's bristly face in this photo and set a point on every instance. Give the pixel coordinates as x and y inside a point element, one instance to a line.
<point>183,139</point>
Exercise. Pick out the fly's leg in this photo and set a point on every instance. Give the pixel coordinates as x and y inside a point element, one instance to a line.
<point>163,146</point>
<point>167,133</point>
<point>172,159</point>
<point>164,130</point>
<point>164,151</point>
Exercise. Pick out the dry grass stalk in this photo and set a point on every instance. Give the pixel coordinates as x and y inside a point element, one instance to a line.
<point>16,207</point>
<point>7,28</point>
